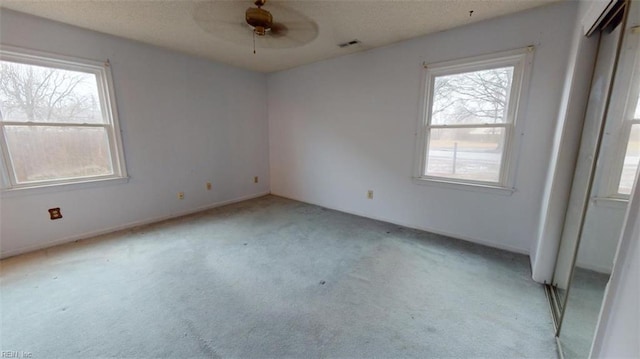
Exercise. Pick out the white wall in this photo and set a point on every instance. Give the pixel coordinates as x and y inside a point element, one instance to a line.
<point>185,121</point>
<point>599,241</point>
<point>565,146</point>
<point>340,127</point>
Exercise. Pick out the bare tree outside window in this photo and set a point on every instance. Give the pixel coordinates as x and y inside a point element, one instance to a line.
<point>52,123</point>
<point>472,98</point>
<point>40,94</point>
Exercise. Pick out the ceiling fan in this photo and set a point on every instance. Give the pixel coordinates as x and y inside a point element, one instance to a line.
<point>277,27</point>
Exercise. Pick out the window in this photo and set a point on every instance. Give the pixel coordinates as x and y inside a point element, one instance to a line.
<point>467,132</point>
<point>620,155</point>
<point>629,164</point>
<point>58,121</point>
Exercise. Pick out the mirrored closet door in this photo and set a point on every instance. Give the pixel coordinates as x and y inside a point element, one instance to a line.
<point>607,163</point>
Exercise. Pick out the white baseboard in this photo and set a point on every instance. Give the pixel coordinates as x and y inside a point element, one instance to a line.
<point>595,267</point>
<point>422,228</point>
<point>129,225</point>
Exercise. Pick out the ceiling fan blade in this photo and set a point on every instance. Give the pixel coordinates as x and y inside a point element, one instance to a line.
<point>278,30</point>
<point>289,35</point>
<point>283,42</point>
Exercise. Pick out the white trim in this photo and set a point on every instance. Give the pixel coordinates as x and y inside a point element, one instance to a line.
<point>611,202</point>
<point>480,62</point>
<point>53,124</point>
<point>44,188</point>
<point>620,121</point>
<point>47,59</point>
<point>594,267</point>
<point>91,234</point>
<point>479,125</point>
<point>110,99</point>
<point>520,60</point>
<point>464,186</point>
<point>104,82</point>
<point>596,12</point>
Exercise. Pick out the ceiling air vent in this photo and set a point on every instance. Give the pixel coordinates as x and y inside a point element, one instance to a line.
<point>349,43</point>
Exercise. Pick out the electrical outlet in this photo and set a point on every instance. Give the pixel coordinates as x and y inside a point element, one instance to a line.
<point>370,194</point>
<point>255,179</point>
<point>180,195</point>
<point>55,213</point>
<point>208,186</point>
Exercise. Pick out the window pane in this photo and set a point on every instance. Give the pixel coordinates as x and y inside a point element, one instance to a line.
<point>631,159</point>
<point>43,94</point>
<point>472,97</point>
<point>466,153</point>
<point>41,153</point>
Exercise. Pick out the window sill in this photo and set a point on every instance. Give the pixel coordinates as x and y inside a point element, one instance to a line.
<point>465,186</point>
<point>611,202</point>
<point>60,187</point>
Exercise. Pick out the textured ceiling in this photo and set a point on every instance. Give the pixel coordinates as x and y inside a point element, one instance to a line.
<point>173,25</point>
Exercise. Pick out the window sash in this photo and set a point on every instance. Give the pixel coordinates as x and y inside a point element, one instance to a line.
<point>508,116</point>
<point>508,128</point>
<point>15,183</point>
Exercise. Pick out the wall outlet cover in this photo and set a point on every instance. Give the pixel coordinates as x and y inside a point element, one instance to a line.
<point>55,213</point>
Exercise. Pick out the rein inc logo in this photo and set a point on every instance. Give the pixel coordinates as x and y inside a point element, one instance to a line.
<point>15,354</point>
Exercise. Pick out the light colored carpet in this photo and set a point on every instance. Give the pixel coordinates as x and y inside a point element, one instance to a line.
<point>273,278</point>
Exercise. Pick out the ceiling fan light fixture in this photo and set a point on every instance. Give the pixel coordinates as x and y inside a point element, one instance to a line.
<point>259,30</point>
<point>260,20</point>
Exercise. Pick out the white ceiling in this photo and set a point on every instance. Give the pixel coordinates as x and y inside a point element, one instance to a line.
<point>170,24</point>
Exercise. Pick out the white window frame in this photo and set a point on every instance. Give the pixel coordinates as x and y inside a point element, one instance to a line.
<point>618,127</point>
<point>617,163</point>
<point>102,70</point>
<point>521,60</point>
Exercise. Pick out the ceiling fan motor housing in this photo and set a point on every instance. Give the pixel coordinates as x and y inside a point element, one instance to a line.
<point>259,19</point>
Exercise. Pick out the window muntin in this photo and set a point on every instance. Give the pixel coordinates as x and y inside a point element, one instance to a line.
<point>58,122</point>
<point>469,119</point>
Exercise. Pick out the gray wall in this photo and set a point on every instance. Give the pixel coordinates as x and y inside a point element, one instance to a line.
<point>340,127</point>
<point>185,121</point>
